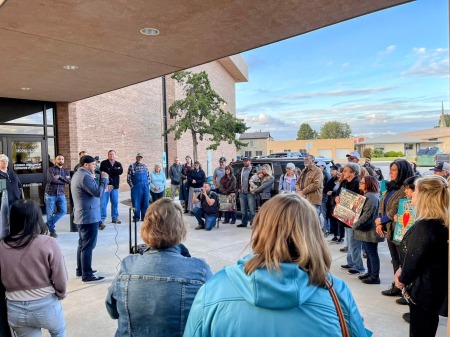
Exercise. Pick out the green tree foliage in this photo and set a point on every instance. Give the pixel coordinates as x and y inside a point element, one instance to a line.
<point>335,130</point>
<point>306,132</point>
<point>201,113</point>
<point>447,119</point>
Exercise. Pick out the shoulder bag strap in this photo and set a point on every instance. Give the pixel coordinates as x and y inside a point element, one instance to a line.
<point>339,311</point>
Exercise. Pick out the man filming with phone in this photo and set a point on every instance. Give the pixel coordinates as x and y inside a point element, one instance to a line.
<point>206,205</point>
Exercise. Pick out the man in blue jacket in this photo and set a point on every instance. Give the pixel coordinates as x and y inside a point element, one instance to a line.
<point>86,214</point>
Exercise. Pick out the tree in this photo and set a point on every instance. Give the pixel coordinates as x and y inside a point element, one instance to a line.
<point>335,130</point>
<point>201,113</point>
<point>306,132</point>
<point>447,119</point>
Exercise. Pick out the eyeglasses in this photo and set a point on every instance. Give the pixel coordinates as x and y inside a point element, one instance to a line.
<point>351,158</point>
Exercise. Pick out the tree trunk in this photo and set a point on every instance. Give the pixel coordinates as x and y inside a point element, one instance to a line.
<point>194,144</point>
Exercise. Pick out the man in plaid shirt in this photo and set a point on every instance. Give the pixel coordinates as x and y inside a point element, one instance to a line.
<point>57,178</point>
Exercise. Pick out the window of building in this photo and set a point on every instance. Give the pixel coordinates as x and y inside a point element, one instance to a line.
<point>258,153</point>
<point>247,153</point>
<point>271,151</point>
<point>378,147</point>
<point>409,146</point>
<point>286,150</point>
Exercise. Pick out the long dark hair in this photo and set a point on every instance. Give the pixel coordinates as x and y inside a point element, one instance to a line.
<point>404,171</point>
<point>26,223</point>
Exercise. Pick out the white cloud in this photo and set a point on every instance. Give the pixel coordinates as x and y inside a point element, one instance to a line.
<point>347,92</point>
<point>388,50</point>
<point>433,62</point>
<point>345,65</point>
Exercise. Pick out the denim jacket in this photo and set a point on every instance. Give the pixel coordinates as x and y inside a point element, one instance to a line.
<point>153,293</point>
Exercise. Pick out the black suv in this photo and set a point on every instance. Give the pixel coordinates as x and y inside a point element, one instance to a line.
<point>278,166</point>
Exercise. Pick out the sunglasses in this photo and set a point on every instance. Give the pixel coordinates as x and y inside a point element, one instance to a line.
<point>351,158</point>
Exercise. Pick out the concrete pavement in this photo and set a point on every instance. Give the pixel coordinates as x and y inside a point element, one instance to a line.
<point>84,306</point>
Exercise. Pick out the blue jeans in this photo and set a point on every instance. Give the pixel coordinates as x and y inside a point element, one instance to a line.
<point>114,196</point>
<point>354,259</point>
<point>61,204</point>
<point>373,260</point>
<point>27,318</point>
<point>230,216</point>
<point>86,243</point>
<point>248,207</point>
<point>323,210</point>
<point>210,220</point>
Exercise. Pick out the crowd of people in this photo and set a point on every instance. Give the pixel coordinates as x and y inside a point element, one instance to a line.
<point>285,281</point>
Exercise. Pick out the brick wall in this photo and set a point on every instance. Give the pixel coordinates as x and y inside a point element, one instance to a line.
<point>130,120</point>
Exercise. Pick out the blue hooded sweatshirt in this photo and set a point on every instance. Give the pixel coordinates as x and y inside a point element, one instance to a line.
<point>275,303</point>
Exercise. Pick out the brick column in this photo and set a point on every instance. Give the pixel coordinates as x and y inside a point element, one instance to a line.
<point>67,130</point>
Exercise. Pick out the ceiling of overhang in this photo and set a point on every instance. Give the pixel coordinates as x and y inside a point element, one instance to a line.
<point>102,38</point>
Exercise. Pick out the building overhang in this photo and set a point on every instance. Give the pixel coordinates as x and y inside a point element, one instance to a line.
<point>102,39</point>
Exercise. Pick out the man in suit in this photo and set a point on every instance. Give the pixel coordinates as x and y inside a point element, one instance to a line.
<point>86,199</point>
<point>114,170</point>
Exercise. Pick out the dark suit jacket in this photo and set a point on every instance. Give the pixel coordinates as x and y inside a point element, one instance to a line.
<point>86,197</point>
<point>114,171</point>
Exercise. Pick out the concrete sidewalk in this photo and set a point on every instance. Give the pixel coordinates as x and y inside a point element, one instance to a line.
<point>84,306</point>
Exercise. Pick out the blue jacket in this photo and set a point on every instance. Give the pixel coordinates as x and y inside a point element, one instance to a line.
<point>157,180</point>
<point>153,293</point>
<point>276,304</point>
<point>86,197</point>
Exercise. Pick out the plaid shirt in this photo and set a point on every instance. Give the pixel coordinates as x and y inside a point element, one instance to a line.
<point>55,187</point>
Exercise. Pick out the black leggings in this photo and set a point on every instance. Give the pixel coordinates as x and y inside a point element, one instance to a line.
<point>395,256</point>
<point>337,228</point>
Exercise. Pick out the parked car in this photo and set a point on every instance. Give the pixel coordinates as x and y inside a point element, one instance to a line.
<point>442,157</point>
<point>278,166</point>
<point>286,155</point>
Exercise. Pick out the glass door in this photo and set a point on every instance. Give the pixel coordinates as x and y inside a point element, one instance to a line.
<point>27,157</point>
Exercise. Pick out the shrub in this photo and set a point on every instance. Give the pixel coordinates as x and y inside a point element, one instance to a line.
<point>367,153</point>
<point>377,153</point>
<point>394,154</point>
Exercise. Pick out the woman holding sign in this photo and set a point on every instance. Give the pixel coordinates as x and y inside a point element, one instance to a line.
<point>364,229</point>
<point>399,171</point>
<point>424,274</point>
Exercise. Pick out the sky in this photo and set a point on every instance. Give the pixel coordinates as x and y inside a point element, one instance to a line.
<point>382,73</point>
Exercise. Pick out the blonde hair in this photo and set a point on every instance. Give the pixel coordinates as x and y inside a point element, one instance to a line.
<point>433,198</point>
<point>163,225</point>
<point>287,229</point>
<point>362,173</point>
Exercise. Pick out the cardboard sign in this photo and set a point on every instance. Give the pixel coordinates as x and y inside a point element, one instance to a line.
<point>349,208</point>
<point>406,218</point>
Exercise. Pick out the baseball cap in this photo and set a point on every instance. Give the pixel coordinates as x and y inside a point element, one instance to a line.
<point>222,159</point>
<point>321,163</point>
<point>290,166</point>
<point>354,154</point>
<point>333,167</point>
<point>86,160</point>
<point>441,167</point>
<point>245,158</point>
<point>97,158</point>
<point>139,154</point>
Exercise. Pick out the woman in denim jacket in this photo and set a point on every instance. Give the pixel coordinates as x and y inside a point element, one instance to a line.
<point>153,293</point>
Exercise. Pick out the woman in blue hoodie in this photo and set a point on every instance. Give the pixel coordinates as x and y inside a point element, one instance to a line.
<point>281,289</point>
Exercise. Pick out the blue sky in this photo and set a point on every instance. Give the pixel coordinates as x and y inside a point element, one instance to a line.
<point>383,73</point>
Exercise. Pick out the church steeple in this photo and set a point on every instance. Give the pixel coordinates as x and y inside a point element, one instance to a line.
<point>442,119</point>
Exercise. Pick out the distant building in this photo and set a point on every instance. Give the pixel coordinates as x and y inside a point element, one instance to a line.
<point>256,144</point>
<point>409,142</point>
<point>262,144</point>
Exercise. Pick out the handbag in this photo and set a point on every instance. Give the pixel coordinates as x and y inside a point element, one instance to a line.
<point>339,311</point>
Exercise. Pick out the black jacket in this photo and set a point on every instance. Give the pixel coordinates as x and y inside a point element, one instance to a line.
<point>424,249</point>
<point>199,177</point>
<point>13,186</point>
<point>114,172</point>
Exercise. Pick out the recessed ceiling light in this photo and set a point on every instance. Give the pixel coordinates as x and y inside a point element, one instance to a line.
<point>25,88</point>
<point>2,2</point>
<point>150,31</point>
<point>69,67</point>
